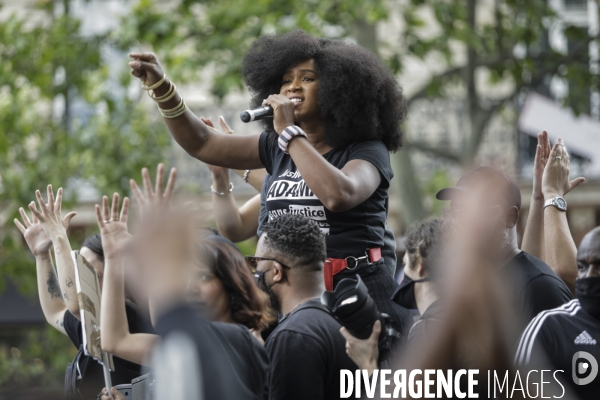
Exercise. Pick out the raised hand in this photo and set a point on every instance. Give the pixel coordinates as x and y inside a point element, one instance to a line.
<point>113,227</point>
<point>146,67</point>
<point>542,153</point>
<point>555,180</point>
<point>39,243</point>
<point>50,213</point>
<point>218,171</point>
<point>159,196</point>
<point>165,250</point>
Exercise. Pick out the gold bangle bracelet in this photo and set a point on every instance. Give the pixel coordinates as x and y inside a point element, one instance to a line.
<point>157,84</point>
<point>180,113</point>
<point>173,110</point>
<point>166,97</point>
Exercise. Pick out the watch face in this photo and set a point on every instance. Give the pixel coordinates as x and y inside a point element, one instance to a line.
<point>561,203</point>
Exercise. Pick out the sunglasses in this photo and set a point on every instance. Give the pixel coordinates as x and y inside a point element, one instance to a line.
<point>252,262</point>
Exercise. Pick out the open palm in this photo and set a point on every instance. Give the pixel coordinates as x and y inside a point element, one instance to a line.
<point>113,227</point>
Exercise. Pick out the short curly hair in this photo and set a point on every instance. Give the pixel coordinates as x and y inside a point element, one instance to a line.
<point>296,237</point>
<point>359,96</point>
<point>424,240</point>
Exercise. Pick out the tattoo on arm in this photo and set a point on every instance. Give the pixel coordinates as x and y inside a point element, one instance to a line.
<point>65,296</point>
<point>53,287</point>
<point>69,282</point>
<point>58,250</point>
<point>60,322</point>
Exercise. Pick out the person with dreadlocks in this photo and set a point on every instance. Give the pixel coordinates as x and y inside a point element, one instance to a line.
<point>337,115</point>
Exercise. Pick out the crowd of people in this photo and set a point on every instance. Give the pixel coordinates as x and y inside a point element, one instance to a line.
<point>181,302</point>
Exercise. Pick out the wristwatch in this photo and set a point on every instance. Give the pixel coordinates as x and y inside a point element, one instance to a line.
<point>557,202</point>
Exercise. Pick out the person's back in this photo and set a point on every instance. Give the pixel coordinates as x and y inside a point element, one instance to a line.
<point>221,347</point>
<point>535,287</point>
<point>307,353</point>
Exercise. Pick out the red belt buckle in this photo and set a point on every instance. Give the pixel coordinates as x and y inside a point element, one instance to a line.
<point>334,266</point>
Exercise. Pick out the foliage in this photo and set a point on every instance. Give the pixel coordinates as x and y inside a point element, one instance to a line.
<point>39,360</point>
<point>509,45</point>
<point>107,138</point>
<point>216,33</point>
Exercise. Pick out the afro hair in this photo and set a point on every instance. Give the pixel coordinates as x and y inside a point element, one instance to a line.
<point>359,96</point>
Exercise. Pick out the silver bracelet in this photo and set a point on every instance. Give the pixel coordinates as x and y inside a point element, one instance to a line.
<point>245,177</point>
<point>212,189</point>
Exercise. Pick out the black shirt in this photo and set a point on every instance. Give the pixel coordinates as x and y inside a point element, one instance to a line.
<point>91,370</point>
<point>559,334</point>
<point>388,251</point>
<point>307,352</point>
<point>233,363</point>
<point>349,232</point>
<point>427,324</point>
<point>535,287</point>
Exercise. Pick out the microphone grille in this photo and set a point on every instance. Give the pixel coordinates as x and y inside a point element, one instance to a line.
<point>245,116</point>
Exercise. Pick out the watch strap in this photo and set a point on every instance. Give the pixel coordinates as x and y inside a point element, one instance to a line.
<point>554,202</point>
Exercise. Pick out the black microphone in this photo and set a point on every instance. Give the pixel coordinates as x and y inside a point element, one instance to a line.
<point>256,114</point>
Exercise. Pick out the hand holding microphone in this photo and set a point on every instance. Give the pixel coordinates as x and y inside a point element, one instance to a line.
<point>276,105</point>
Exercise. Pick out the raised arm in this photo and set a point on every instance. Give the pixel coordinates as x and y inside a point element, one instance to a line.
<point>561,252</point>
<point>56,228</point>
<point>49,292</point>
<point>195,137</point>
<point>149,199</point>
<point>235,224</point>
<point>116,339</point>
<point>533,237</point>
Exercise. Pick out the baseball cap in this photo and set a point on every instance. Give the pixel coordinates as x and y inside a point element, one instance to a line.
<point>486,175</point>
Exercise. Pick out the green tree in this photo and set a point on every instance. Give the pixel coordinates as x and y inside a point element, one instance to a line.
<point>102,136</point>
<point>511,45</point>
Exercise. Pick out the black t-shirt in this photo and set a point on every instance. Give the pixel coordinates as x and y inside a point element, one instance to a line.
<point>307,352</point>
<point>233,363</point>
<point>427,325</point>
<point>559,334</point>
<point>535,287</point>
<point>349,233</point>
<point>91,370</point>
<point>388,251</point>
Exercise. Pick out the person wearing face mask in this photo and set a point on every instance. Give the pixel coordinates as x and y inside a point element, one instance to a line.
<point>417,291</point>
<point>560,334</point>
<point>306,351</point>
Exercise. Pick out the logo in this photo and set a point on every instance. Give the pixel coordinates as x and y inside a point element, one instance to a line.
<point>584,338</point>
<point>290,190</point>
<point>584,364</point>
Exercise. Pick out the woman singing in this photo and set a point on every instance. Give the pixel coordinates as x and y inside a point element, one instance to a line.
<point>337,115</point>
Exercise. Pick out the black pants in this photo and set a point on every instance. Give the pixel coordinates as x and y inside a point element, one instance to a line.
<point>381,286</point>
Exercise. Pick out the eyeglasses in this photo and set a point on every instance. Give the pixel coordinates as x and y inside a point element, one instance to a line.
<point>252,262</point>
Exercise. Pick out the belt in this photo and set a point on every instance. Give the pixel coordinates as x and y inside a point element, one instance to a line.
<point>334,266</point>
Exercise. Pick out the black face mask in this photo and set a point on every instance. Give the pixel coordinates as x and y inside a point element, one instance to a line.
<point>587,291</point>
<point>405,294</point>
